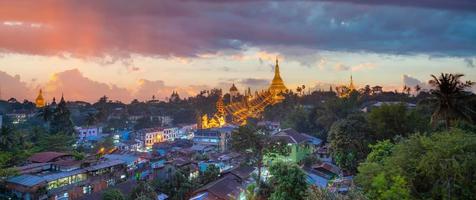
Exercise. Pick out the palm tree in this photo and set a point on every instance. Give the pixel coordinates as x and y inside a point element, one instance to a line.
<point>450,98</point>
<point>417,88</point>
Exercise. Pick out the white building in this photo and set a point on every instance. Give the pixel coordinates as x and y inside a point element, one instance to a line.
<point>150,136</point>
<point>170,134</point>
<point>88,131</point>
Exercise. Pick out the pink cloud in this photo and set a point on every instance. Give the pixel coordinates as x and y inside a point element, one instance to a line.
<point>13,86</point>
<point>75,86</point>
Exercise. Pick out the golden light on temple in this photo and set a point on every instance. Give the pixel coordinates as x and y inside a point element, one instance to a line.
<point>40,101</point>
<point>250,106</point>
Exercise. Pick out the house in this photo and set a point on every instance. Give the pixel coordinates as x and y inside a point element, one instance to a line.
<point>270,125</point>
<point>49,156</point>
<point>229,186</point>
<point>301,145</point>
<point>327,169</point>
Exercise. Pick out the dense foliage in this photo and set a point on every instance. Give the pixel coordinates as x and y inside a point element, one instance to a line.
<point>438,166</point>
<point>113,194</point>
<point>288,181</point>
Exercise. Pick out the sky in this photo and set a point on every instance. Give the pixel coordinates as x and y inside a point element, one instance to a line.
<point>136,49</point>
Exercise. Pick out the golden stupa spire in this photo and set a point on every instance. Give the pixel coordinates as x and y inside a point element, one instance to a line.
<point>40,101</point>
<point>351,86</point>
<point>277,84</point>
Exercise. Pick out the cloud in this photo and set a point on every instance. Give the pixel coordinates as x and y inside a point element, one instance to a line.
<point>13,86</point>
<point>115,30</point>
<point>358,67</point>
<point>322,86</point>
<point>146,88</point>
<point>341,67</point>
<point>254,83</point>
<point>469,62</point>
<point>75,86</point>
<point>412,82</point>
<point>466,5</point>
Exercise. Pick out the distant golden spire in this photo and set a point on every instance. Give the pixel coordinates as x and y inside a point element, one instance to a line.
<point>351,86</point>
<point>40,101</point>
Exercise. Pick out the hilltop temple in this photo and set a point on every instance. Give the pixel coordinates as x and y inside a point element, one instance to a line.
<point>238,110</point>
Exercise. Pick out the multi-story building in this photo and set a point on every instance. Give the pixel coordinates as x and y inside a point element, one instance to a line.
<point>64,178</point>
<point>88,131</point>
<point>217,137</point>
<point>151,136</point>
<point>171,133</point>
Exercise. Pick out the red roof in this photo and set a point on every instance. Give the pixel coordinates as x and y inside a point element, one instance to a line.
<point>47,156</point>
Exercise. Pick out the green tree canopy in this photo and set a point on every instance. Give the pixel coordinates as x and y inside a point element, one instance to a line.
<point>439,166</point>
<point>143,190</point>
<point>349,139</point>
<point>113,194</point>
<point>390,120</point>
<point>254,143</point>
<point>288,181</point>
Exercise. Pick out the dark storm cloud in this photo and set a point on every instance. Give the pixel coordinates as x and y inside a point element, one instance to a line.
<point>466,5</point>
<point>118,29</point>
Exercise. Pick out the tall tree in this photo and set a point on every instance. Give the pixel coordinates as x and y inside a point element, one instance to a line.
<point>450,98</point>
<point>61,122</point>
<point>288,180</point>
<point>255,143</point>
<point>349,139</point>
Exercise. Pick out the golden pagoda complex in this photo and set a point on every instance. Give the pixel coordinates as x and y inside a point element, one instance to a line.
<point>218,119</point>
<point>40,101</point>
<point>344,91</point>
<point>250,106</point>
<point>277,84</point>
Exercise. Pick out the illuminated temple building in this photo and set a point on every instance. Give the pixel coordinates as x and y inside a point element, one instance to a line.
<point>250,106</point>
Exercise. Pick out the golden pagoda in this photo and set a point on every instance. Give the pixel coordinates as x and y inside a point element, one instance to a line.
<point>250,106</point>
<point>351,85</point>
<point>277,84</point>
<point>40,101</point>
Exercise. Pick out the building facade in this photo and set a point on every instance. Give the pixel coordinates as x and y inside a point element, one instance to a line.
<point>88,131</point>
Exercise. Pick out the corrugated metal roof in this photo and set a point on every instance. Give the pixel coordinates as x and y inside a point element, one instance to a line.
<point>26,180</point>
<point>105,164</point>
<point>127,158</point>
